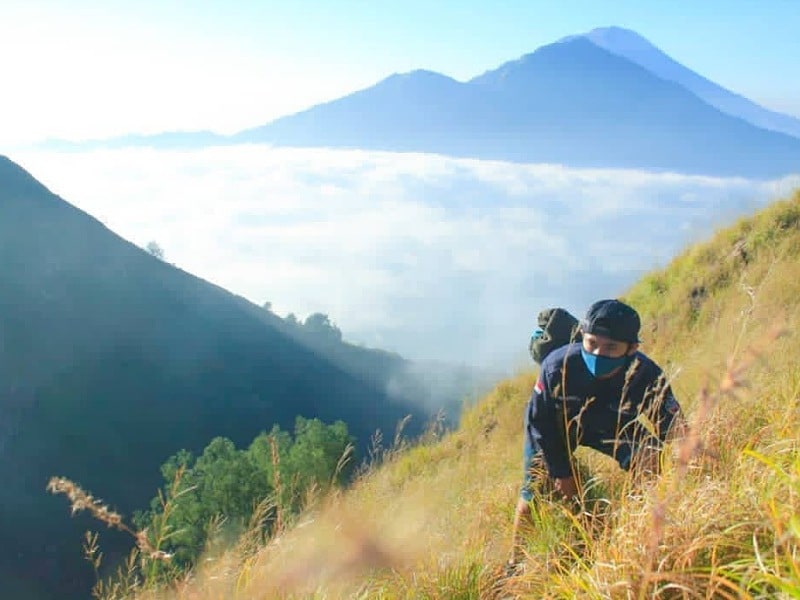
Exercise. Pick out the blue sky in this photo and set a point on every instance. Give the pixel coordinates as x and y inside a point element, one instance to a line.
<point>86,68</point>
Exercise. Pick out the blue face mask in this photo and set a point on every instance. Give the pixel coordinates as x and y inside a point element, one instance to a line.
<point>602,365</point>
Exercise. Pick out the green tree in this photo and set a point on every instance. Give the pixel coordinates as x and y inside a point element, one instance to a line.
<point>155,249</point>
<point>221,483</point>
<point>269,451</point>
<point>227,484</point>
<point>319,455</point>
<point>319,324</point>
<point>228,481</point>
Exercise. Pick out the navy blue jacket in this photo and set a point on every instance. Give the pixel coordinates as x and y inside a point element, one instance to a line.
<point>571,407</point>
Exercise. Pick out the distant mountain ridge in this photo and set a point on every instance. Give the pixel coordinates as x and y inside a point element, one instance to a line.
<point>606,99</point>
<point>571,102</point>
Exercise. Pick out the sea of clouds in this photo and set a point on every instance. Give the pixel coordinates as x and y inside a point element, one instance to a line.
<point>430,256</point>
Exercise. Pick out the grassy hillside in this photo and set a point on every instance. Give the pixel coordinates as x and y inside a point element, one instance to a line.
<point>723,521</point>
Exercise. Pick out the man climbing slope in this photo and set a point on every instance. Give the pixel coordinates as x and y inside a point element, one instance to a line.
<point>593,392</point>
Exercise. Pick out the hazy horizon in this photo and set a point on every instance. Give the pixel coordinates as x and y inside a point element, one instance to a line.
<point>432,257</point>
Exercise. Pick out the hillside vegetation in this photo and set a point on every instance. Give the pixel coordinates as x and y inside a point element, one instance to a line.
<point>723,521</point>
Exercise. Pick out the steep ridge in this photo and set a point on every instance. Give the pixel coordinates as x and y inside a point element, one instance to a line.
<point>111,360</point>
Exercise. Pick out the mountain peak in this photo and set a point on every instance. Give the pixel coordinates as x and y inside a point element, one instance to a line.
<point>615,39</point>
<point>622,42</point>
<point>418,75</point>
<point>556,60</point>
<point>617,35</point>
<point>633,47</point>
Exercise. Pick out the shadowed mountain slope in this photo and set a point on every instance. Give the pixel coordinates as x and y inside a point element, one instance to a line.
<point>112,360</point>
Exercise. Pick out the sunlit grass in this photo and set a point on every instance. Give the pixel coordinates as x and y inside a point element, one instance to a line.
<point>722,521</point>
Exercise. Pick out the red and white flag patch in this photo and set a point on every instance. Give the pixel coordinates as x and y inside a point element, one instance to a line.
<point>539,387</point>
<point>671,405</point>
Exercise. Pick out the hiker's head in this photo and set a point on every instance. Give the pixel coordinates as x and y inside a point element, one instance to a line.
<point>610,336</point>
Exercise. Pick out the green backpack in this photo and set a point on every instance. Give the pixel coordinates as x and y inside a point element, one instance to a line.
<point>557,327</point>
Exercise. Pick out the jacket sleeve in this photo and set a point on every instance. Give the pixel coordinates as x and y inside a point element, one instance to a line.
<point>544,430</point>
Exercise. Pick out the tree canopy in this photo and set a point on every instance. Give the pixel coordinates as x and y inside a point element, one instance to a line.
<point>226,485</point>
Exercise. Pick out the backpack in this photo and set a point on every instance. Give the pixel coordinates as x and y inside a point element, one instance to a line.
<point>557,327</point>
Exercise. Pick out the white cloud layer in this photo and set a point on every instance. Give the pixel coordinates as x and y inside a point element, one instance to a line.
<point>430,256</point>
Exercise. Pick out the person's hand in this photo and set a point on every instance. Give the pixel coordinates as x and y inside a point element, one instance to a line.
<point>567,487</point>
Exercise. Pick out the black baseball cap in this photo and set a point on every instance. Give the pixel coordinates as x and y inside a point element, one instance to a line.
<point>613,319</point>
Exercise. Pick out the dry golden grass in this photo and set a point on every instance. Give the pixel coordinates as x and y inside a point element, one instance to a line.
<point>722,521</point>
